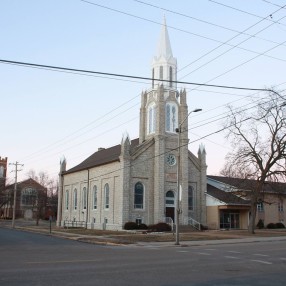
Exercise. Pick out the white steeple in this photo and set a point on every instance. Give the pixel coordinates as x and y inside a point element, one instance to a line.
<point>164,47</point>
<point>164,65</point>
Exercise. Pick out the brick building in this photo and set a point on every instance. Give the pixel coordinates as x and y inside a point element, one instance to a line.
<point>137,179</point>
<point>31,200</point>
<point>3,172</point>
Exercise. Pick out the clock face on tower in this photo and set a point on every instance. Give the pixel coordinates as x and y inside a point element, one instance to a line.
<point>171,160</point>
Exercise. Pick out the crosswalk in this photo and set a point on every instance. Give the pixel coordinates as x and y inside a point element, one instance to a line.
<point>218,253</point>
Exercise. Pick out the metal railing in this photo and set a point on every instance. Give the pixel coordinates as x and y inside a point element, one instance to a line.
<point>170,221</point>
<point>195,224</point>
<point>74,223</point>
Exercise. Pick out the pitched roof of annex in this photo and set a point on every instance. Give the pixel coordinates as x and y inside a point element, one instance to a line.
<point>236,184</point>
<point>226,197</point>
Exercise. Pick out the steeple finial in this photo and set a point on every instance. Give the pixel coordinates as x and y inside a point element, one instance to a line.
<point>164,48</point>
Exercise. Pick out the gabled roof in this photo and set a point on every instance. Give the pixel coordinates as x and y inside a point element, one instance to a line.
<point>226,197</point>
<point>246,184</point>
<point>26,183</point>
<point>102,157</point>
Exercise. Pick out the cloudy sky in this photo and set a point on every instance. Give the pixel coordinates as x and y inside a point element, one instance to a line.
<point>48,114</point>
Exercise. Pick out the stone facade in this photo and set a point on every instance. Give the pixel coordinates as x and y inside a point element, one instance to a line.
<point>138,180</point>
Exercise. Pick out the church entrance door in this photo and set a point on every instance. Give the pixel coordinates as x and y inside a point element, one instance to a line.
<point>170,212</point>
<point>170,205</point>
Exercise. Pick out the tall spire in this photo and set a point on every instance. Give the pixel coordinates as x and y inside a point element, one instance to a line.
<point>164,65</point>
<point>164,48</point>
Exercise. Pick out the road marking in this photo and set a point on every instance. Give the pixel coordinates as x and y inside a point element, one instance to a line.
<point>203,253</point>
<point>211,249</point>
<point>61,261</point>
<point>264,255</point>
<point>282,258</point>
<point>182,251</point>
<point>231,257</point>
<point>232,251</point>
<point>261,261</point>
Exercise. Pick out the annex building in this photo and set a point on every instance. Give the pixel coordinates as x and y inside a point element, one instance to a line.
<point>137,179</point>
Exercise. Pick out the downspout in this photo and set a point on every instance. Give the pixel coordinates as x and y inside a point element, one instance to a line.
<point>87,200</point>
<point>60,199</point>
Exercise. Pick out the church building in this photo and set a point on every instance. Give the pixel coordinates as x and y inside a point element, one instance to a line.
<point>137,180</point>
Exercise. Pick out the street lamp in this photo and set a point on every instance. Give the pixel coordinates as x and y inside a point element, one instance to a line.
<point>178,211</point>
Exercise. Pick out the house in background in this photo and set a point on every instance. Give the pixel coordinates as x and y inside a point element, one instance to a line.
<point>228,204</point>
<point>31,199</point>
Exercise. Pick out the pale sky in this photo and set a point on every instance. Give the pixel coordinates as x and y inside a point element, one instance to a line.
<point>48,114</point>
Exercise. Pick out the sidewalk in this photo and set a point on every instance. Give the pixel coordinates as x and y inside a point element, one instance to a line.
<point>198,238</point>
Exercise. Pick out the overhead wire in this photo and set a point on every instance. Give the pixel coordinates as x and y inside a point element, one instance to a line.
<point>128,76</point>
<point>160,24</point>
<point>200,20</point>
<point>185,83</point>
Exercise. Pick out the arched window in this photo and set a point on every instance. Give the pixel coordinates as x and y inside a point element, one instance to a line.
<point>94,197</point>
<point>1,171</point>
<point>161,72</point>
<point>191,198</point>
<point>171,117</point>
<point>67,199</point>
<point>106,196</point>
<point>84,198</point>
<point>151,118</point>
<point>171,76</point>
<point>75,199</point>
<point>138,196</point>
<point>153,75</point>
<point>170,199</point>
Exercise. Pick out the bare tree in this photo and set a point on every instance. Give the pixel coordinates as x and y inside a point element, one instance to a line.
<point>47,200</point>
<point>259,146</point>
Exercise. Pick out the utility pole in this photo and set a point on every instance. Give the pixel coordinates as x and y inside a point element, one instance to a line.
<point>178,209</point>
<point>15,190</point>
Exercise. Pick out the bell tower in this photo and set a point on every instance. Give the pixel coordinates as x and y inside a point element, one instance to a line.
<point>162,108</point>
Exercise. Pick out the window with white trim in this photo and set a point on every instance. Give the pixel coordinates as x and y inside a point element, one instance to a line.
<point>171,117</point>
<point>138,221</point>
<point>151,118</point>
<point>171,76</point>
<point>161,72</point>
<point>190,198</point>
<point>280,206</point>
<point>106,196</point>
<point>84,198</point>
<point>138,196</point>
<point>75,199</point>
<point>94,197</point>
<point>170,199</point>
<point>67,199</point>
<point>260,207</point>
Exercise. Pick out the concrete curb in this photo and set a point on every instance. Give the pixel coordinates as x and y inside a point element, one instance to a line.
<point>105,241</point>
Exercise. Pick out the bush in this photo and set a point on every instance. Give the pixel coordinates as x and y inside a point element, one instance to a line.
<point>161,226</point>
<point>279,225</point>
<point>271,225</point>
<point>260,224</point>
<point>204,227</point>
<point>142,226</point>
<point>130,225</point>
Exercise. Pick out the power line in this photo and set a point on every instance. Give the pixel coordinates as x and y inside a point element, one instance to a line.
<point>199,20</point>
<point>160,24</point>
<point>126,76</point>
<point>245,12</point>
<point>230,49</point>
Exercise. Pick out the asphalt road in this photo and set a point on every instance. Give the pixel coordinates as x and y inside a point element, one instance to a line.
<point>35,259</point>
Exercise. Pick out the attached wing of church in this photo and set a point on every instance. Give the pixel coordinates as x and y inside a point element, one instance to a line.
<point>138,180</point>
